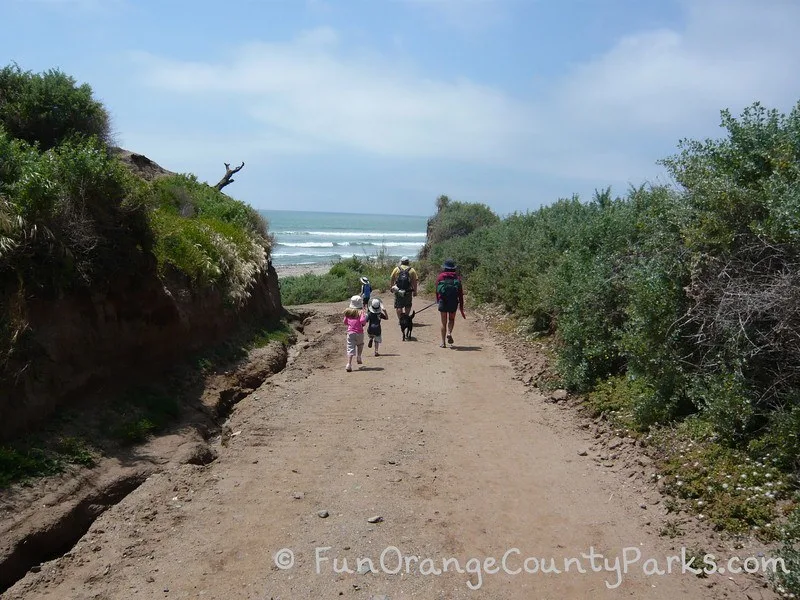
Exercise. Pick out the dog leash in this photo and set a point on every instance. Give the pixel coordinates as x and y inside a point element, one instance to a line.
<point>427,307</point>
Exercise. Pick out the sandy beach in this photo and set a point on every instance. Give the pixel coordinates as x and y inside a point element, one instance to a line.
<point>294,270</point>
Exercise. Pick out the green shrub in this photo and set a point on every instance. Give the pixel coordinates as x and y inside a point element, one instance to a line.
<point>454,220</point>
<point>340,283</point>
<point>186,245</point>
<point>49,108</point>
<point>742,193</point>
<point>726,403</point>
<point>14,155</point>
<point>616,398</point>
<point>744,184</point>
<point>67,221</point>
<point>185,196</point>
<point>351,267</point>
<point>309,288</point>
<point>781,439</point>
<point>212,238</point>
<point>653,348</point>
<point>590,314</point>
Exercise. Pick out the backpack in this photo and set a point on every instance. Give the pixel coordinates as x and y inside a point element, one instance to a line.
<point>367,290</point>
<point>374,323</point>
<point>404,280</point>
<point>448,289</point>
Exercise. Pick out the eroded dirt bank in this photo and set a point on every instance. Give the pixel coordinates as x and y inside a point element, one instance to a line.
<point>136,324</point>
<point>448,451</point>
<point>42,519</point>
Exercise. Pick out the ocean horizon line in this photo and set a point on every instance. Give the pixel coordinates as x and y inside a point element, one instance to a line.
<point>348,234</point>
<point>406,244</point>
<point>334,212</point>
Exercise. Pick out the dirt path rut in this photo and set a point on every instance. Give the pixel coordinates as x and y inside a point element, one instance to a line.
<point>458,458</point>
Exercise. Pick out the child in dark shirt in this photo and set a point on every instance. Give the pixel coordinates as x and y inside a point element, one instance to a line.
<point>375,314</point>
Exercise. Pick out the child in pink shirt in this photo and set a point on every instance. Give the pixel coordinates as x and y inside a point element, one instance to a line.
<point>355,317</point>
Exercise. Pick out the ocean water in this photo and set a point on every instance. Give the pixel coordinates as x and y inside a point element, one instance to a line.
<point>308,238</point>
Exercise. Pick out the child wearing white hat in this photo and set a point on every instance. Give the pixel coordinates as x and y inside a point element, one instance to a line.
<point>355,317</point>
<point>374,316</point>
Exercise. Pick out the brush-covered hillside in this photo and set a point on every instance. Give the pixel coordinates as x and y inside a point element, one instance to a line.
<point>108,263</point>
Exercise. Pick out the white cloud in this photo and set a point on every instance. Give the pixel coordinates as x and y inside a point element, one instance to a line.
<point>597,122</point>
<point>730,55</point>
<point>309,88</point>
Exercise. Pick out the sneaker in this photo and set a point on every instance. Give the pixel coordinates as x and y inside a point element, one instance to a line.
<point>450,339</point>
<point>369,344</point>
<point>377,353</point>
<point>443,345</point>
<point>348,368</point>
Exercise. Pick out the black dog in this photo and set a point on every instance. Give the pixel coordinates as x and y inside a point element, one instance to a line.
<point>407,324</point>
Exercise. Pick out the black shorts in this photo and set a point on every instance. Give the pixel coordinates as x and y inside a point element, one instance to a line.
<point>403,300</point>
<point>448,307</point>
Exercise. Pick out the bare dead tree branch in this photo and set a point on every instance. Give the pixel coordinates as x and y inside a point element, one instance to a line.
<point>229,173</point>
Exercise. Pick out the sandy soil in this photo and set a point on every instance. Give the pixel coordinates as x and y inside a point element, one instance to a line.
<point>295,270</point>
<point>449,449</point>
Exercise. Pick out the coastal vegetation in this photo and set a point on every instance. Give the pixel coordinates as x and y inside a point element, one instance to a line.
<point>341,282</point>
<point>71,214</point>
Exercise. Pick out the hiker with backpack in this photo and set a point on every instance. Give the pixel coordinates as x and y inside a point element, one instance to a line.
<point>404,285</point>
<point>375,314</point>
<point>449,297</point>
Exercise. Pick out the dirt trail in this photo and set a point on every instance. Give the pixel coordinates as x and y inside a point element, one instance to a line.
<point>455,454</point>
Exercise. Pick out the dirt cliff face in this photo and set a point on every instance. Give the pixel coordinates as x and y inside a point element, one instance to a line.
<point>132,327</point>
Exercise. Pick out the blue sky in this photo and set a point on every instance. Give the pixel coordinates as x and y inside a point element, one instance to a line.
<point>379,106</point>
